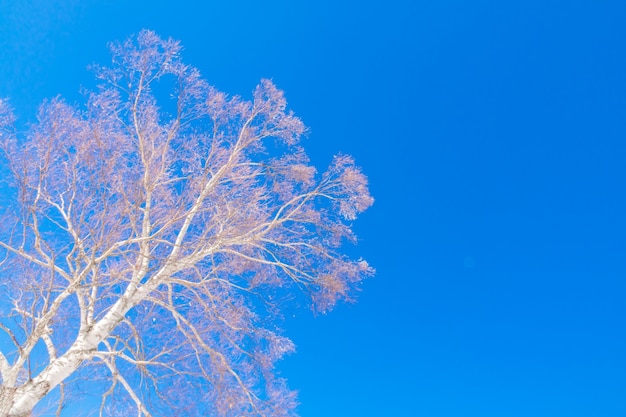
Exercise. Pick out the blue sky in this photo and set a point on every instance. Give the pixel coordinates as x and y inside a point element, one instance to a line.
<point>493,134</point>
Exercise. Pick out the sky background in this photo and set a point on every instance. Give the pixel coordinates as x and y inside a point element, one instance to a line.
<point>493,134</point>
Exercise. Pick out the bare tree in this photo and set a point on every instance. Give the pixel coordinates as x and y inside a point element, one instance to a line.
<point>148,249</point>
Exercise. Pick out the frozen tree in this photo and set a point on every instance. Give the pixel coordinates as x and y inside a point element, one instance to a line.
<point>152,237</point>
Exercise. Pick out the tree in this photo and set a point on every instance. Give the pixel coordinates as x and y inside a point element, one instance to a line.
<point>149,245</point>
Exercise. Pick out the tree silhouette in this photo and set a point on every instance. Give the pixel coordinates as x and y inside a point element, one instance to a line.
<point>151,240</point>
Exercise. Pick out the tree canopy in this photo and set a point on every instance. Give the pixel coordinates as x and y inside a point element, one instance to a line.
<point>152,239</point>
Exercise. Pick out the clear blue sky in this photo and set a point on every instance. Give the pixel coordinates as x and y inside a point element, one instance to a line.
<point>493,133</point>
